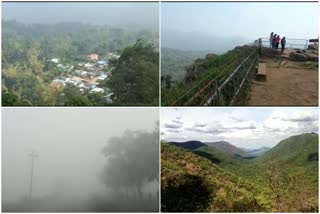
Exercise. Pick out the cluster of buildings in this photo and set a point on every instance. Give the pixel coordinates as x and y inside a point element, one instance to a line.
<point>87,76</point>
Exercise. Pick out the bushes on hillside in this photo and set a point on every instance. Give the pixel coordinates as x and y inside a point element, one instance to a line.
<point>188,193</point>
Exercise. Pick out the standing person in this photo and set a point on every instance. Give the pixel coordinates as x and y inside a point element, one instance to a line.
<point>270,39</point>
<point>274,40</point>
<point>283,43</point>
<point>277,41</point>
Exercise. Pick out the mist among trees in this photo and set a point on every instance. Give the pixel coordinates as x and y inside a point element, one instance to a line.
<point>76,171</point>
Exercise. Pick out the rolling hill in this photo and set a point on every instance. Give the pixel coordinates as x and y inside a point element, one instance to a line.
<point>296,149</point>
<point>213,154</point>
<point>174,62</point>
<point>228,148</point>
<point>282,179</point>
<point>191,145</point>
<point>191,183</point>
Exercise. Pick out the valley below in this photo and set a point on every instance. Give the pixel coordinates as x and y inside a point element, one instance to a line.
<point>220,177</point>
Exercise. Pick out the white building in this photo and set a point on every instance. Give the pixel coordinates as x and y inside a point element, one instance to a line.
<point>97,90</point>
<point>108,98</point>
<point>102,77</point>
<point>55,60</point>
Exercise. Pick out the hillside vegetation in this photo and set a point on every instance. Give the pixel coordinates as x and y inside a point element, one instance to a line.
<point>201,71</point>
<point>28,72</point>
<point>283,179</point>
<point>174,64</point>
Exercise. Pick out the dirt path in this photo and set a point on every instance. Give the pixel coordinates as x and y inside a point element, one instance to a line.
<point>288,83</point>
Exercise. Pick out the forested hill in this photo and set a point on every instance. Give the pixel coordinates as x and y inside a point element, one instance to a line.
<point>283,179</point>
<point>299,149</point>
<point>51,64</point>
<point>66,40</point>
<point>174,63</point>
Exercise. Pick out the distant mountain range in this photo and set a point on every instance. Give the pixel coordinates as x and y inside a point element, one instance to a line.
<point>255,152</point>
<point>223,146</point>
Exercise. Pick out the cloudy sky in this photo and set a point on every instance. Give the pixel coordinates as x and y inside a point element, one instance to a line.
<point>69,143</point>
<point>243,127</point>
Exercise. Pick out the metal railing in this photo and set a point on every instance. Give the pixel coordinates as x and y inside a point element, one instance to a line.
<point>234,89</point>
<point>226,86</point>
<point>290,43</point>
<point>229,84</point>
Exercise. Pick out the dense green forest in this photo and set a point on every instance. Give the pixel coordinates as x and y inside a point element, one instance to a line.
<point>174,64</point>
<point>28,71</point>
<point>204,178</point>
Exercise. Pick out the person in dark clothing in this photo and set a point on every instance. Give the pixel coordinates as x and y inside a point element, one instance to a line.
<point>283,43</point>
<point>271,39</point>
<point>277,41</point>
<point>274,41</point>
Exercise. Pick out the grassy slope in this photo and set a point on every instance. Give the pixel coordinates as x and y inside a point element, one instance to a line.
<point>294,176</point>
<point>283,179</point>
<point>230,193</point>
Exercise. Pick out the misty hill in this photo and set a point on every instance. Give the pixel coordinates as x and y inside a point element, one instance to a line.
<point>52,64</point>
<point>69,39</point>
<point>174,62</point>
<point>198,41</point>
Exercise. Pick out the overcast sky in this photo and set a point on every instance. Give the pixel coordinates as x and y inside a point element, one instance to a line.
<point>246,21</point>
<point>69,144</point>
<point>116,14</point>
<point>243,127</point>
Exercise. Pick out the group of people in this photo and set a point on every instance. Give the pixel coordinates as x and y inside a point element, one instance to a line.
<point>275,41</point>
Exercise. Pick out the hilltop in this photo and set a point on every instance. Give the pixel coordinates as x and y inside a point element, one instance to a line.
<point>228,148</point>
<point>297,149</point>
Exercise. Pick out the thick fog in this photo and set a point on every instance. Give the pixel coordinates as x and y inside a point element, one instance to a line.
<point>120,14</point>
<point>89,159</point>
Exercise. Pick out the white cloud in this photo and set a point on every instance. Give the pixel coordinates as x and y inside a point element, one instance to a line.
<point>199,124</point>
<point>173,125</point>
<point>251,128</point>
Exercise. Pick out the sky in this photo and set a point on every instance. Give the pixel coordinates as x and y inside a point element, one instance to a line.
<point>69,143</point>
<point>243,127</point>
<point>243,21</point>
<point>114,14</point>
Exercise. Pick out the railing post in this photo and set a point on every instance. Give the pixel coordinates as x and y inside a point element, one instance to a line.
<point>260,45</point>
